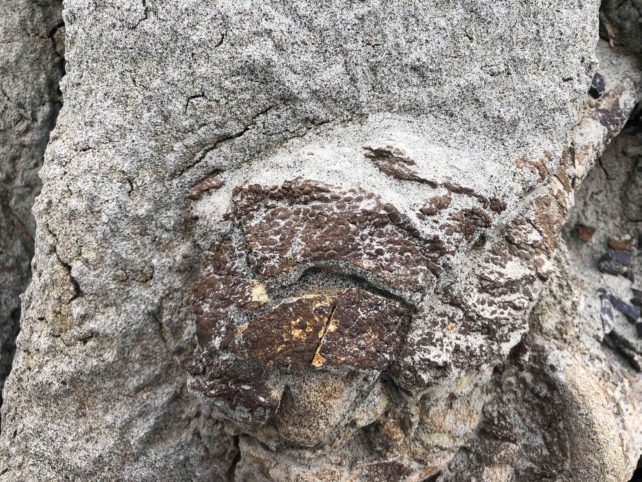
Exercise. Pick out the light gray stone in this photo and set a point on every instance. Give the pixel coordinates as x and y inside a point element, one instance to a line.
<point>180,119</point>
<point>31,64</point>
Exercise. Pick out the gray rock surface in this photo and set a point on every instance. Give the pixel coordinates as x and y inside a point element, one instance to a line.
<point>291,241</point>
<point>622,24</point>
<point>31,64</point>
<point>567,402</point>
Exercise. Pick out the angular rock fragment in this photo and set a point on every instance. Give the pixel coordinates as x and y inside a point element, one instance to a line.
<point>627,243</point>
<point>597,86</point>
<point>584,233</point>
<point>606,313</point>
<point>617,262</point>
<point>625,348</point>
<point>631,312</point>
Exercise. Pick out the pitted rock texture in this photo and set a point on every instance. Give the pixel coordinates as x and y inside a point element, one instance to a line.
<point>303,224</point>
<point>31,65</point>
<point>195,311</point>
<point>281,232</point>
<point>566,404</point>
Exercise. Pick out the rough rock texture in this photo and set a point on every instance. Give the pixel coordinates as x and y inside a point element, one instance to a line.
<point>290,241</point>
<point>622,24</point>
<point>31,64</point>
<point>567,402</point>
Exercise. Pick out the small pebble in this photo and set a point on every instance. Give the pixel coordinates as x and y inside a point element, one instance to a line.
<point>622,244</point>
<point>630,311</point>
<point>583,232</point>
<point>616,262</point>
<point>597,86</point>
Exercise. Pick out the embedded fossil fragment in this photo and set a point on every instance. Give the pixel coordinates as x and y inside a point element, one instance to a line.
<point>316,356</point>
<point>287,229</point>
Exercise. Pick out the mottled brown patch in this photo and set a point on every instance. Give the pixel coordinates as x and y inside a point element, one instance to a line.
<point>303,223</point>
<point>497,205</point>
<point>287,336</point>
<point>207,184</point>
<point>363,331</point>
<point>215,300</point>
<point>548,218</point>
<point>538,166</point>
<point>468,221</point>
<point>436,204</point>
<point>394,163</point>
<point>240,387</point>
<point>583,232</point>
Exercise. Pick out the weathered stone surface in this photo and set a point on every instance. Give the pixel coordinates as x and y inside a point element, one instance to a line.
<point>302,241</point>
<point>302,224</point>
<point>621,24</point>
<point>31,65</point>
<point>566,404</point>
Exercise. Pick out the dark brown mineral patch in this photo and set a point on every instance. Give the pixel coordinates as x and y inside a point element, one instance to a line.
<point>207,184</point>
<point>394,163</point>
<point>303,223</point>
<point>216,299</point>
<point>436,204</point>
<point>363,331</point>
<point>468,221</point>
<point>497,205</point>
<point>583,232</point>
<point>287,336</point>
<point>240,387</point>
<point>249,342</point>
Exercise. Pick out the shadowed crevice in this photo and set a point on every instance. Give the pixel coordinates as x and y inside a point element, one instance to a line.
<point>29,105</point>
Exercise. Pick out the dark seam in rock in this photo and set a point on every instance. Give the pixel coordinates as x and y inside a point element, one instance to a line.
<point>143,18</point>
<point>77,291</point>
<point>193,97</point>
<point>221,140</point>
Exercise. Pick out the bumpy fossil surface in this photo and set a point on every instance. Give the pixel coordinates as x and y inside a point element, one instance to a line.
<point>325,241</point>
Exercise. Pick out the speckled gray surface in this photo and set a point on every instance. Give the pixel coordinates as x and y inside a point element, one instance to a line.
<point>485,101</point>
<point>31,51</point>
